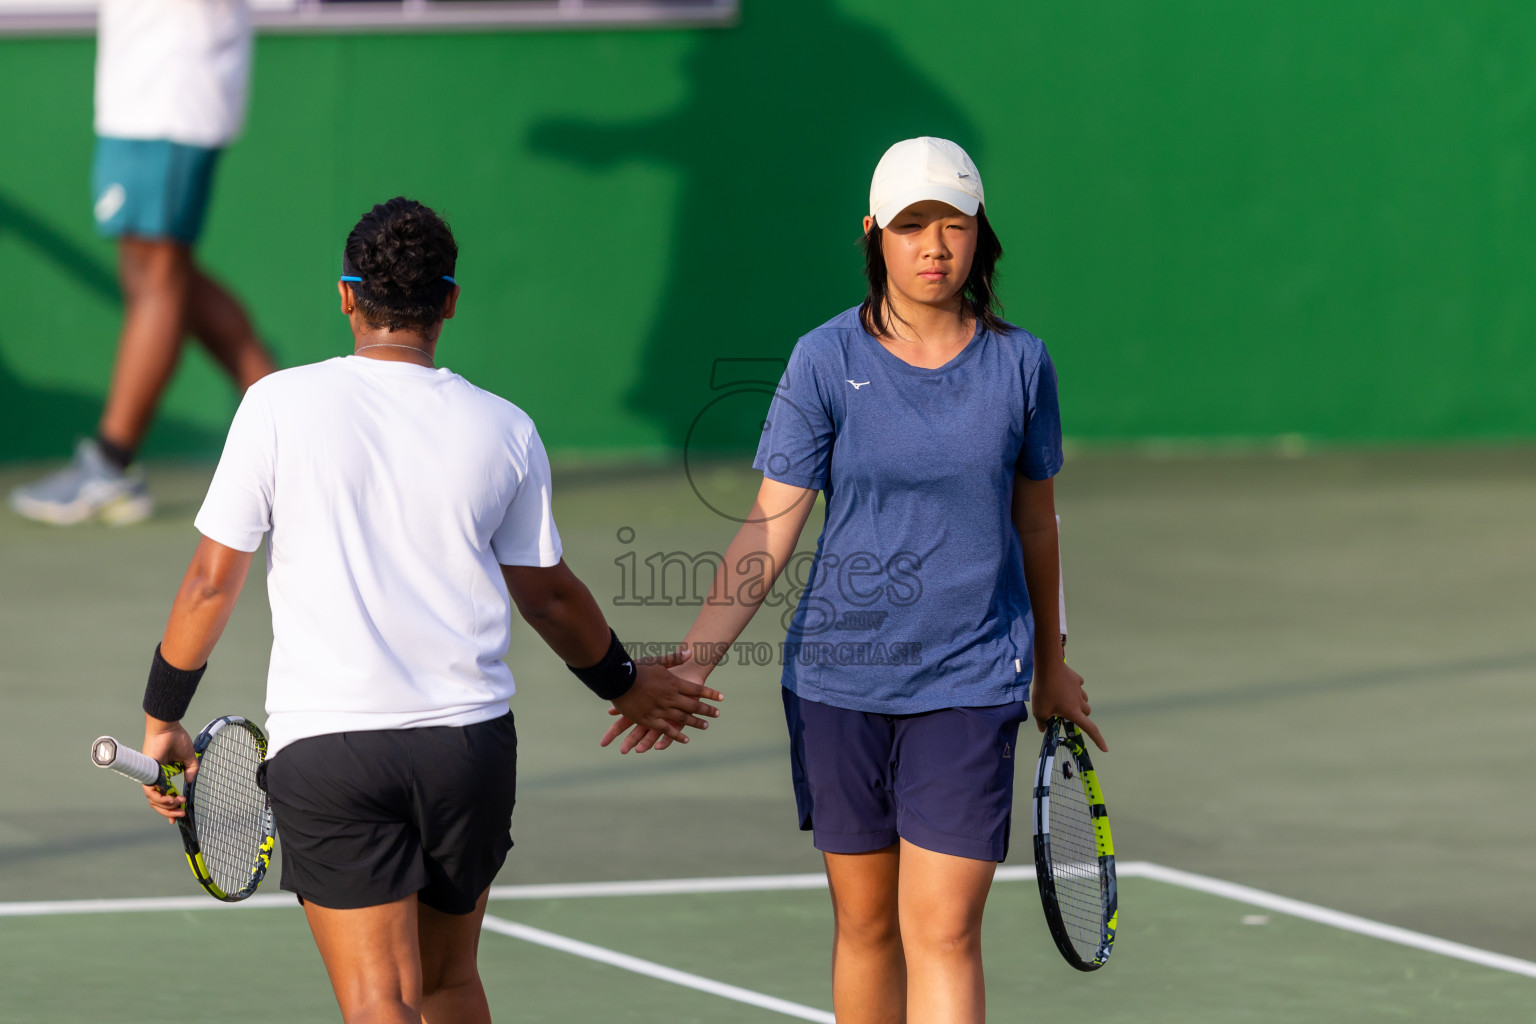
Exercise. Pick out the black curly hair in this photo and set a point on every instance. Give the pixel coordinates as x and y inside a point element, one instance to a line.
<point>979,291</point>
<point>402,250</point>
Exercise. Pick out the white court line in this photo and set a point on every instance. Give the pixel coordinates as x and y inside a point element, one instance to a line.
<point>53,908</point>
<point>1026,872</point>
<point>663,887</point>
<point>779,883</point>
<point>654,970</point>
<point>1332,918</point>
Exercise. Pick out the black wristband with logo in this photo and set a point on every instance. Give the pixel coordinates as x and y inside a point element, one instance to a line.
<point>612,677</point>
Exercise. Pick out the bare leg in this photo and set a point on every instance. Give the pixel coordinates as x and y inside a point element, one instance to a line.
<point>869,974</point>
<point>372,958</point>
<point>156,278</point>
<point>451,992</point>
<point>217,320</point>
<point>942,898</point>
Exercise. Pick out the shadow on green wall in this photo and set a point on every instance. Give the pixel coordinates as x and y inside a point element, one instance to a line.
<point>44,422</point>
<point>765,244</point>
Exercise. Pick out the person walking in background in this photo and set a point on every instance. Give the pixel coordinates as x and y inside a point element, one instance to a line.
<point>171,83</point>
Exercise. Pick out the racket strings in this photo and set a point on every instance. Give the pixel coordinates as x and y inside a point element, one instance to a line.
<point>1074,857</point>
<point>230,812</point>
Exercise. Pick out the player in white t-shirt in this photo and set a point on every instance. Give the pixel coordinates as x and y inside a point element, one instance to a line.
<point>171,84</point>
<point>404,511</point>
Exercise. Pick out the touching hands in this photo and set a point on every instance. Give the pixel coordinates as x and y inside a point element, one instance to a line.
<point>660,705</point>
<point>644,735</point>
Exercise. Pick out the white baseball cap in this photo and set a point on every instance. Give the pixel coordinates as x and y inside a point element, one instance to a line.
<point>916,170</point>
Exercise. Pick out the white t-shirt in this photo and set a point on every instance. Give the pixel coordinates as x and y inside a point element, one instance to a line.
<point>173,69</point>
<point>390,494</point>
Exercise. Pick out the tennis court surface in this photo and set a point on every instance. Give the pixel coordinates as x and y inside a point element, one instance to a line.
<point>1315,675</point>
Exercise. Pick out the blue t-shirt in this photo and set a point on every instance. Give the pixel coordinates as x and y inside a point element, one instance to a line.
<point>915,600</point>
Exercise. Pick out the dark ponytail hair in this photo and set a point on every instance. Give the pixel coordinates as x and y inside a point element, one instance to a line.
<point>980,288</point>
<point>402,250</point>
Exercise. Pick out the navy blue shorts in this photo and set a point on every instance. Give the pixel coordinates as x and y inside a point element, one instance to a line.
<point>941,780</point>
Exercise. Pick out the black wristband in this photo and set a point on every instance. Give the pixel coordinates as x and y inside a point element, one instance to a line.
<point>170,689</point>
<point>612,677</point>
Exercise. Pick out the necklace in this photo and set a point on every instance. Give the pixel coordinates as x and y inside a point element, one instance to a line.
<point>408,348</point>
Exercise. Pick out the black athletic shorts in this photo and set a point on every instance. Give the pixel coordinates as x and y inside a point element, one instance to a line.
<point>365,818</point>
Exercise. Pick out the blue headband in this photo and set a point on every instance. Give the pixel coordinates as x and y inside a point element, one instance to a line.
<point>349,277</point>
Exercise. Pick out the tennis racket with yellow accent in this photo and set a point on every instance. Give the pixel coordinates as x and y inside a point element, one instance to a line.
<point>1074,852</point>
<point>227,830</point>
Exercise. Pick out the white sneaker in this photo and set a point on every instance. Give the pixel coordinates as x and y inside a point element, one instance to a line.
<point>90,487</point>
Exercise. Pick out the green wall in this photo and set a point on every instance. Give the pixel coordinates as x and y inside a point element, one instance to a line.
<point>1228,219</point>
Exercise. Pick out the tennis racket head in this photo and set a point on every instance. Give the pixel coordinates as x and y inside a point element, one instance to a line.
<point>228,830</point>
<point>1074,852</point>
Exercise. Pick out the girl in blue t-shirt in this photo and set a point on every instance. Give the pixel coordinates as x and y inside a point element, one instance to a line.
<point>932,428</point>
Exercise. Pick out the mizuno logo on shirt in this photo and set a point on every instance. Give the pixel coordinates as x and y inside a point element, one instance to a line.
<point>858,384</point>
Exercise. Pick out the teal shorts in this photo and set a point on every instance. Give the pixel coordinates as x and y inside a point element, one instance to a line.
<point>151,188</point>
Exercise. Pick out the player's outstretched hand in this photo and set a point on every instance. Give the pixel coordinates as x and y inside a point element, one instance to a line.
<point>640,739</point>
<point>168,742</point>
<point>660,705</point>
<point>1057,692</point>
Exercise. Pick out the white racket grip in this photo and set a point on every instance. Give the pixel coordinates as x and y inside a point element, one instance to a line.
<point>1061,584</point>
<point>106,752</point>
